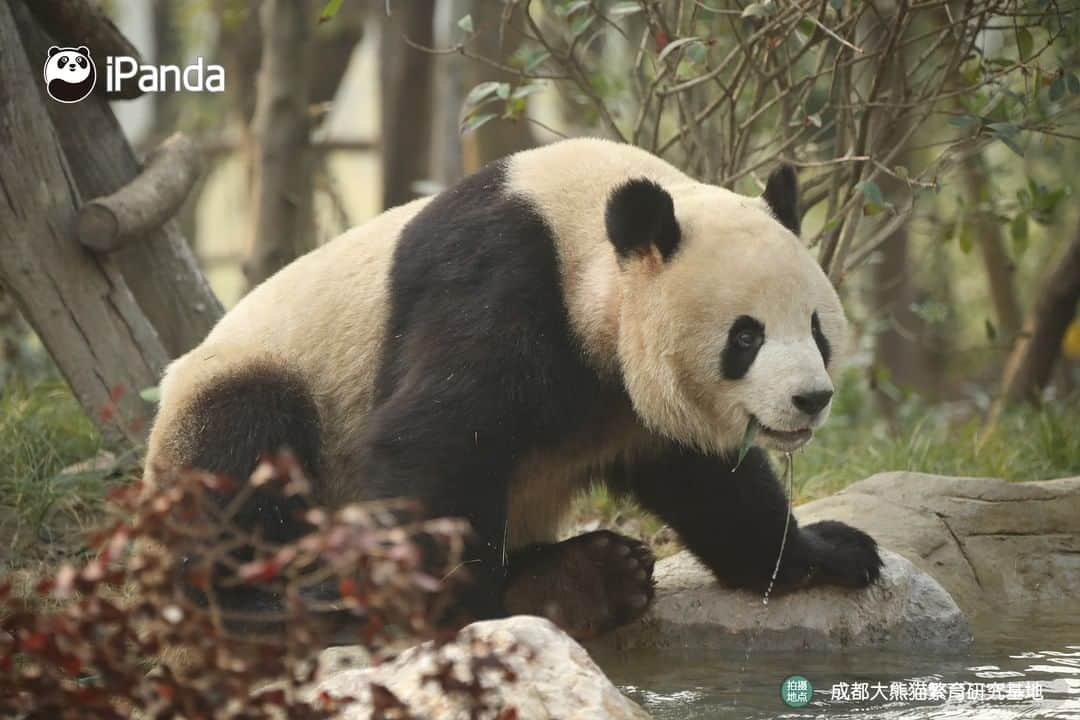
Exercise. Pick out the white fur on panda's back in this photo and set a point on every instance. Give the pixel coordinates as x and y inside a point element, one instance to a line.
<point>323,316</point>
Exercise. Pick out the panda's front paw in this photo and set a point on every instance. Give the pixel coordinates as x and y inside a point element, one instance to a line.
<point>841,555</point>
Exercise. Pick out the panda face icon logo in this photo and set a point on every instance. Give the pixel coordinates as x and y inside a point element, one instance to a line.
<point>70,73</point>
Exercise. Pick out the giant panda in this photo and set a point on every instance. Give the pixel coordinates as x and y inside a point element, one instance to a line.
<point>581,312</point>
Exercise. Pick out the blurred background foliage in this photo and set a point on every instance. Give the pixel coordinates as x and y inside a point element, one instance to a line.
<point>935,142</point>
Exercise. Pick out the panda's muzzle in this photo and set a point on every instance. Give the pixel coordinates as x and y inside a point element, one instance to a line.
<point>785,440</point>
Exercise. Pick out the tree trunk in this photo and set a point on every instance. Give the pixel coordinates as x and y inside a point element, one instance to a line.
<point>77,302</point>
<point>283,224</point>
<point>498,138</point>
<point>1032,359</point>
<point>159,268</point>
<point>405,77</point>
<point>999,266</point>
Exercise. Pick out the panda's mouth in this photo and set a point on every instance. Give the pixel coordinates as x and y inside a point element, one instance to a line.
<point>784,440</point>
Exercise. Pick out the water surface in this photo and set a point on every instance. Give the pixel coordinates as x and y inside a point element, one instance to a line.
<point>1019,667</point>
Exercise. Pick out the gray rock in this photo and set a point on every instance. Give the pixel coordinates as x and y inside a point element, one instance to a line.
<point>559,680</point>
<point>992,544</point>
<point>905,609</point>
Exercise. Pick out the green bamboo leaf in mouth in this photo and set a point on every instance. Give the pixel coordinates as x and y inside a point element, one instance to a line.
<point>751,432</point>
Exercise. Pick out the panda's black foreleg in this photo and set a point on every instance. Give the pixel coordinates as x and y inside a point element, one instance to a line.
<point>733,519</point>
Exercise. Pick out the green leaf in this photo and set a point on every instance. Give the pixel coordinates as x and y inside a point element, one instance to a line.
<point>1025,43</point>
<point>758,10</point>
<point>472,122</point>
<point>837,4</point>
<point>536,61</point>
<point>901,172</point>
<point>991,331</point>
<point>480,93</point>
<point>696,52</point>
<point>747,441</point>
<point>330,9</point>
<point>576,5</point>
<point>466,24</point>
<point>1018,228</point>
<point>153,394</point>
<point>675,45</point>
<point>622,9</point>
<point>581,24</point>
<point>503,91</point>
<point>1057,88</point>
<point>965,122</point>
<point>1009,138</point>
<point>875,201</point>
<point>525,91</point>
<point>1073,82</point>
<point>965,237</point>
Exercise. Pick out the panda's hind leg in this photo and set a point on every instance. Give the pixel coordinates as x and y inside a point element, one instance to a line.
<point>588,585</point>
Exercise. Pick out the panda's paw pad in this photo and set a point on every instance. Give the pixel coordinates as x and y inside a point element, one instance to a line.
<point>624,567</point>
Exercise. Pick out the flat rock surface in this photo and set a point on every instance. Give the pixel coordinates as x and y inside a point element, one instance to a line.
<point>905,609</point>
<point>558,680</point>
<point>989,542</point>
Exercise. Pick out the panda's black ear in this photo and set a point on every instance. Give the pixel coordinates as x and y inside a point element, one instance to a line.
<point>782,196</point>
<point>640,215</point>
<point>83,50</point>
<point>53,50</point>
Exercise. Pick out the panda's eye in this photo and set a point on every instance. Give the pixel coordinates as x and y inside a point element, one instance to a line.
<point>746,339</point>
<point>82,62</point>
<point>63,60</point>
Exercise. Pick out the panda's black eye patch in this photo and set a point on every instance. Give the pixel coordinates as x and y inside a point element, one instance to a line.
<point>820,340</point>
<point>63,60</point>
<point>744,339</point>
<point>82,62</point>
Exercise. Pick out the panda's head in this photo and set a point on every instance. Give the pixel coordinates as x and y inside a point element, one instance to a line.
<point>70,73</point>
<point>725,318</point>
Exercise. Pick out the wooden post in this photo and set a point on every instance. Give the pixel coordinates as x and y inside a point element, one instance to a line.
<point>159,269</point>
<point>78,303</point>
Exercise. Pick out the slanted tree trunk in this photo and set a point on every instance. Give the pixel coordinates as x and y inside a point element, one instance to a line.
<point>283,224</point>
<point>405,77</point>
<point>158,268</point>
<point>78,302</point>
<point>1032,360</point>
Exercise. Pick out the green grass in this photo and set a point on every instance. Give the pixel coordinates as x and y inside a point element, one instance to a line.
<point>43,510</point>
<point>1026,443</point>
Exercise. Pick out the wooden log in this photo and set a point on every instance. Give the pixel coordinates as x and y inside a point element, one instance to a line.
<point>77,303</point>
<point>147,202</point>
<point>160,269</point>
<point>82,22</point>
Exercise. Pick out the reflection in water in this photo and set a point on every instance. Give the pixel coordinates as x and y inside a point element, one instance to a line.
<point>1001,677</point>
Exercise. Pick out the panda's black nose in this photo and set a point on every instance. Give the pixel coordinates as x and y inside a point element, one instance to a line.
<point>812,403</point>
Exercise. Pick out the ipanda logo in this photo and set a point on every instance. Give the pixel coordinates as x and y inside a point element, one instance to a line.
<point>70,75</point>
